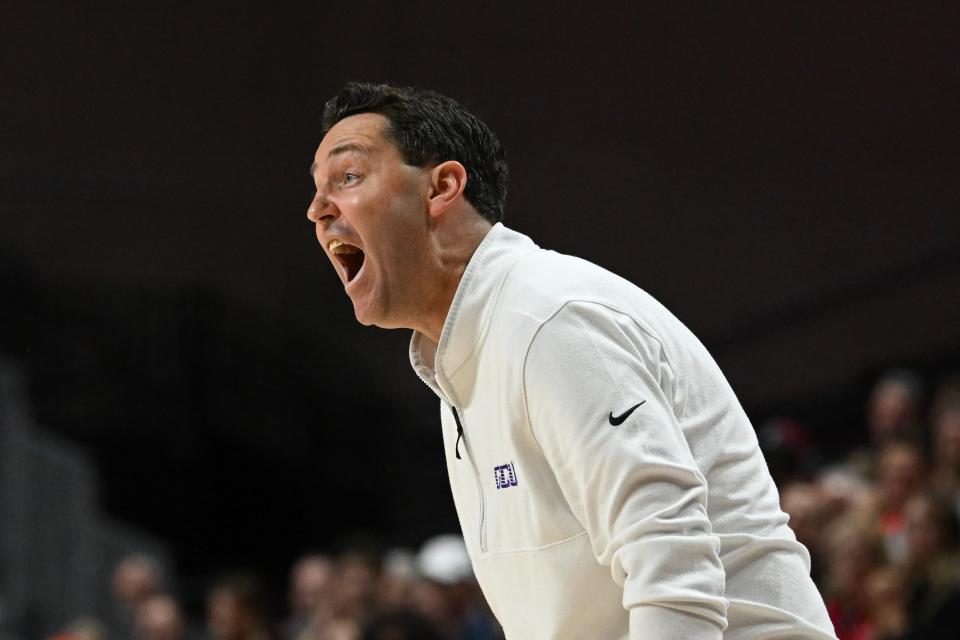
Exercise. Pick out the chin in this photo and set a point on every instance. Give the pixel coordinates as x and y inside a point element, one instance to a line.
<point>366,323</point>
<point>380,320</point>
<point>364,318</point>
<point>366,314</point>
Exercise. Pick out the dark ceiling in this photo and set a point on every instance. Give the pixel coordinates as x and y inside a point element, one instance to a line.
<point>782,176</point>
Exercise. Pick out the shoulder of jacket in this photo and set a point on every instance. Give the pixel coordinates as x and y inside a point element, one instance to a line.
<point>544,283</point>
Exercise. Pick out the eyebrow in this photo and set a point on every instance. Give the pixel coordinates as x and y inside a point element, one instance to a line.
<point>343,148</point>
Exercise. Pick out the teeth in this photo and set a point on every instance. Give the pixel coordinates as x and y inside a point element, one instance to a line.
<point>336,246</point>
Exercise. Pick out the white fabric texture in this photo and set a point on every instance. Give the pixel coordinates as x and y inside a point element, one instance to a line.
<point>664,525</point>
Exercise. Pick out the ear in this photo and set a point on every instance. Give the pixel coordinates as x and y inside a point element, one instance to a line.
<point>447,182</point>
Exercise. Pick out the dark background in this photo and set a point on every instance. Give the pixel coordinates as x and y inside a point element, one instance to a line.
<point>784,177</point>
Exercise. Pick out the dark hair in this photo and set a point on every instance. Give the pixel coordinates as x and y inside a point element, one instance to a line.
<point>428,127</point>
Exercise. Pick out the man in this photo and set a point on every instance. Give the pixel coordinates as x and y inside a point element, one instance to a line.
<point>608,483</point>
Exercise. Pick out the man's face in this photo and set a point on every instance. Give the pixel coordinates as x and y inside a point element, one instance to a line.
<point>370,211</point>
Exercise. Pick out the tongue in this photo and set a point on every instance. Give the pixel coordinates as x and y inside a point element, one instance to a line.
<point>352,260</point>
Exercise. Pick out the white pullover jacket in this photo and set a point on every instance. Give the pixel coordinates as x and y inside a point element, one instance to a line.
<point>608,483</point>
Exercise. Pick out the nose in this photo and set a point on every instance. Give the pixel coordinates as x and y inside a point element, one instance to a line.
<point>322,210</point>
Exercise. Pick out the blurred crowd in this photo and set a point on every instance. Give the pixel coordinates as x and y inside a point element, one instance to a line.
<point>357,594</point>
<point>881,525</point>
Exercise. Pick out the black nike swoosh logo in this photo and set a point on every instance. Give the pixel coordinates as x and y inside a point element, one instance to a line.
<point>618,420</point>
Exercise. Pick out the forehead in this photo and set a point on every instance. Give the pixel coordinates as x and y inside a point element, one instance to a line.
<point>365,130</point>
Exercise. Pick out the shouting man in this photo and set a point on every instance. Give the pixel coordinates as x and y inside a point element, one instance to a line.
<point>608,483</point>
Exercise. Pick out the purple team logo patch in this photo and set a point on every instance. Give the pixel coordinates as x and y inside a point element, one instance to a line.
<point>505,476</point>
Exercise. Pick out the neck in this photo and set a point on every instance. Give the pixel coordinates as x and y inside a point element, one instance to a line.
<point>454,247</point>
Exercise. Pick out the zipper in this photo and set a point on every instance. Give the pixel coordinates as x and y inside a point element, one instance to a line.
<point>456,447</point>
<point>436,389</point>
<point>476,474</point>
<point>466,447</point>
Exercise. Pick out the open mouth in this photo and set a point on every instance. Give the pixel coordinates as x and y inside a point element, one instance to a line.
<point>349,256</point>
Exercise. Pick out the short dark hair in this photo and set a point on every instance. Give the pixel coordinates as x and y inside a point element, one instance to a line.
<point>428,127</point>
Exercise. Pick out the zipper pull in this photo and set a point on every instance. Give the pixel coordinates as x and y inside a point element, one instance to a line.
<point>456,417</point>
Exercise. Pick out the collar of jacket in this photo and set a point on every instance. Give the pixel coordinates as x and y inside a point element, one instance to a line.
<point>448,366</point>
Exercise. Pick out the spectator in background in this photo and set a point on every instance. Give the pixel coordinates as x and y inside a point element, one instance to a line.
<point>895,408</point>
<point>397,581</point>
<point>804,503</point>
<point>137,578</point>
<point>353,598</point>
<point>236,609</point>
<point>311,585</point>
<point>894,413</point>
<point>160,618</point>
<point>854,548</point>
<point>933,568</point>
<point>946,451</point>
<point>901,475</point>
<point>843,489</point>
<point>358,572</point>
<point>885,604</point>
<point>448,594</point>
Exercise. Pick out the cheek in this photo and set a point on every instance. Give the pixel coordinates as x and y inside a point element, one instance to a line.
<point>352,200</point>
<point>361,210</point>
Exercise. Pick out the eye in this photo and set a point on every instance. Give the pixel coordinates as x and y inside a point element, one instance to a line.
<point>349,178</point>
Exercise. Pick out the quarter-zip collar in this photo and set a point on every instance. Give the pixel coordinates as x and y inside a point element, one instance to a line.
<point>444,366</point>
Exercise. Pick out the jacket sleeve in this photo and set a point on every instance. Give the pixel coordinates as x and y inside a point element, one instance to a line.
<point>634,486</point>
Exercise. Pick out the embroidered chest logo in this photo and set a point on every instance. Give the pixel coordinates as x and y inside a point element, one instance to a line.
<point>505,476</point>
